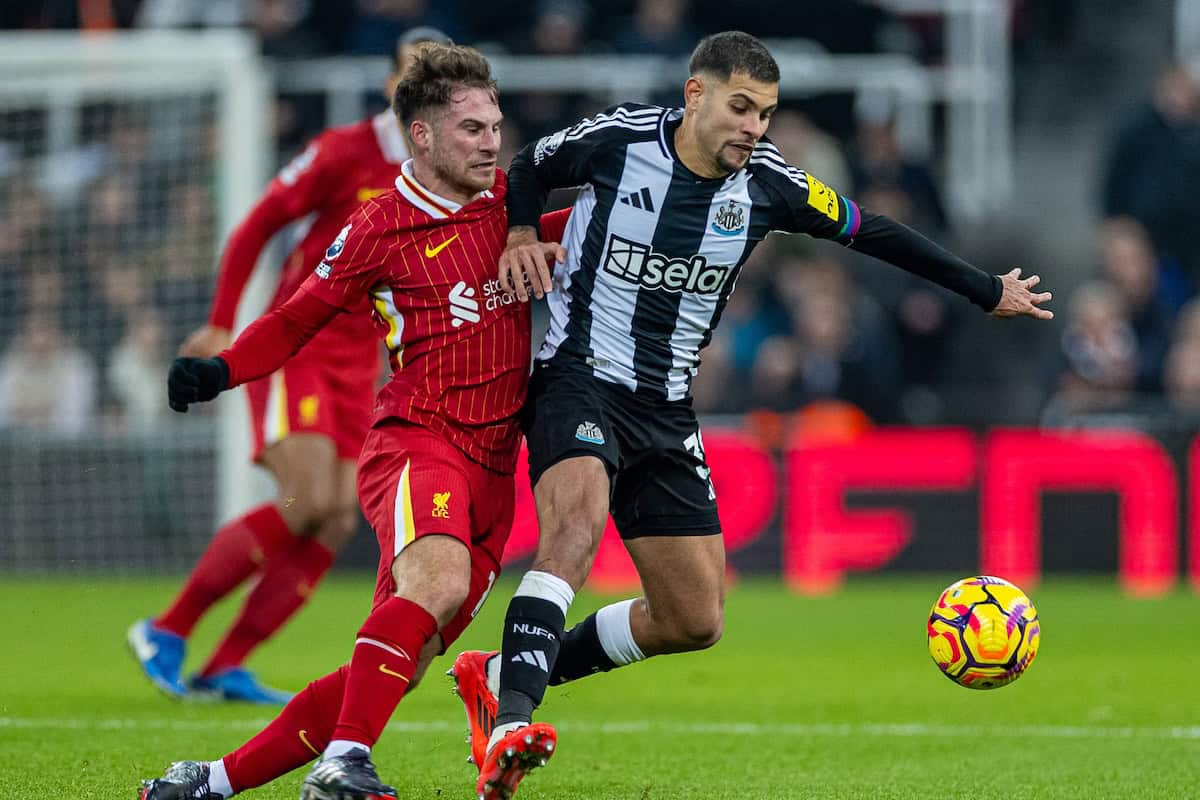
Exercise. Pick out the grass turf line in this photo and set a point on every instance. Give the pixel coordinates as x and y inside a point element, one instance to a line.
<point>846,702</point>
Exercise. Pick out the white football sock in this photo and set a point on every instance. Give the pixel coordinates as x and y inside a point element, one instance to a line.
<point>547,587</point>
<point>339,747</point>
<point>500,731</point>
<point>218,779</point>
<point>615,633</point>
<point>493,675</point>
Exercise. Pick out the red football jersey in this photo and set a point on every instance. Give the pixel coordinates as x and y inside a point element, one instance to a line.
<point>460,346</point>
<point>338,171</point>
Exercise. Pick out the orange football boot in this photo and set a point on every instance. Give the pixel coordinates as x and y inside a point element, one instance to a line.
<point>470,684</point>
<point>520,751</point>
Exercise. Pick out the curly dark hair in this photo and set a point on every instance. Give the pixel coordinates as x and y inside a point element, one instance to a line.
<point>435,71</point>
<point>725,53</point>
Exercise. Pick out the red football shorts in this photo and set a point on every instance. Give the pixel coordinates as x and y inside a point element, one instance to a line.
<point>412,483</point>
<point>309,395</point>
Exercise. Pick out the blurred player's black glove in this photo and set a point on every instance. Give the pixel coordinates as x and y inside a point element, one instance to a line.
<point>195,380</point>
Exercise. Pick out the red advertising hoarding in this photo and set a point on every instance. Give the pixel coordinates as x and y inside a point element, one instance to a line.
<point>821,537</point>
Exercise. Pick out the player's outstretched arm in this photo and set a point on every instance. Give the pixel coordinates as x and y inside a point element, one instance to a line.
<point>261,349</point>
<point>816,209</point>
<point>1000,295</point>
<point>1019,300</point>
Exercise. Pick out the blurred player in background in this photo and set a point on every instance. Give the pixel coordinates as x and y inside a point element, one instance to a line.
<point>435,477</point>
<point>309,418</point>
<point>674,202</point>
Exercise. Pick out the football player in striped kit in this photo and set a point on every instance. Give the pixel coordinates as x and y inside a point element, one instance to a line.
<point>673,202</point>
<point>435,477</point>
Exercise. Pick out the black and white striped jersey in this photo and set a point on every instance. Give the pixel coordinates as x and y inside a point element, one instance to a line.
<point>654,250</point>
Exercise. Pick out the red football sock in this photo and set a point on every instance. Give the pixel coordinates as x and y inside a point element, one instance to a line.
<point>287,581</point>
<point>298,735</point>
<point>385,658</point>
<point>234,553</point>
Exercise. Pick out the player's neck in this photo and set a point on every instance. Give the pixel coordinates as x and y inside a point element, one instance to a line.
<point>429,180</point>
<point>689,152</point>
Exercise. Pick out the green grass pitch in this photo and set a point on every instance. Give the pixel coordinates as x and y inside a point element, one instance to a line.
<point>832,697</point>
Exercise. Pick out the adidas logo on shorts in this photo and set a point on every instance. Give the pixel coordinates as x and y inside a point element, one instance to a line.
<point>589,432</point>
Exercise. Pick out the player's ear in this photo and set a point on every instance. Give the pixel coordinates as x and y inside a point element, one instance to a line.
<point>693,92</point>
<point>419,133</point>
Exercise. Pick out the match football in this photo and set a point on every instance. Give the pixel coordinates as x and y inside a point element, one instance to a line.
<point>983,632</point>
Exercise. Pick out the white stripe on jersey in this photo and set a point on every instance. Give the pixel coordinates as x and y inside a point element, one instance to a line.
<point>615,297</point>
<point>696,310</point>
<point>769,156</point>
<point>623,116</point>
<point>629,126</point>
<point>670,116</point>
<point>559,300</point>
<point>769,150</point>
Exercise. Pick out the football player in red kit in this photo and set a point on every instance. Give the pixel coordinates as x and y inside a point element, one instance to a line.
<point>435,476</point>
<point>309,418</point>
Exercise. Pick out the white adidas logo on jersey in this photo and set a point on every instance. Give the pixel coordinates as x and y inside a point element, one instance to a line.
<point>463,305</point>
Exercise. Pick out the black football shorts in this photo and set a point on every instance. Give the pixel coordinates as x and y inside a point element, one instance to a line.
<point>659,480</point>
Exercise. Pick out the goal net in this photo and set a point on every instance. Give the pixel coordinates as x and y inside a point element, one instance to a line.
<point>124,159</point>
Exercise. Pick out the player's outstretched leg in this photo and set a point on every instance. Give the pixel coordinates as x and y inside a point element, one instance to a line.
<point>470,674</point>
<point>286,583</point>
<point>428,583</point>
<point>512,758</point>
<point>289,741</point>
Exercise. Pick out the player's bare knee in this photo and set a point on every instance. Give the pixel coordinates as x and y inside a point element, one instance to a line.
<point>306,504</point>
<point>304,467</point>
<point>435,573</point>
<point>442,596</point>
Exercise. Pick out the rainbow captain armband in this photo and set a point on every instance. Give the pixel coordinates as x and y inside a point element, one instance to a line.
<point>837,208</point>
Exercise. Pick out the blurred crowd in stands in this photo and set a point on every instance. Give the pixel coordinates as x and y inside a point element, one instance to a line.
<point>106,262</point>
<point>1131,337</point>
<point>106,259</point>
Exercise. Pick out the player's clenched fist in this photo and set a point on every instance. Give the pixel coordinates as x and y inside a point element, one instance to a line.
<point>195,380</point>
